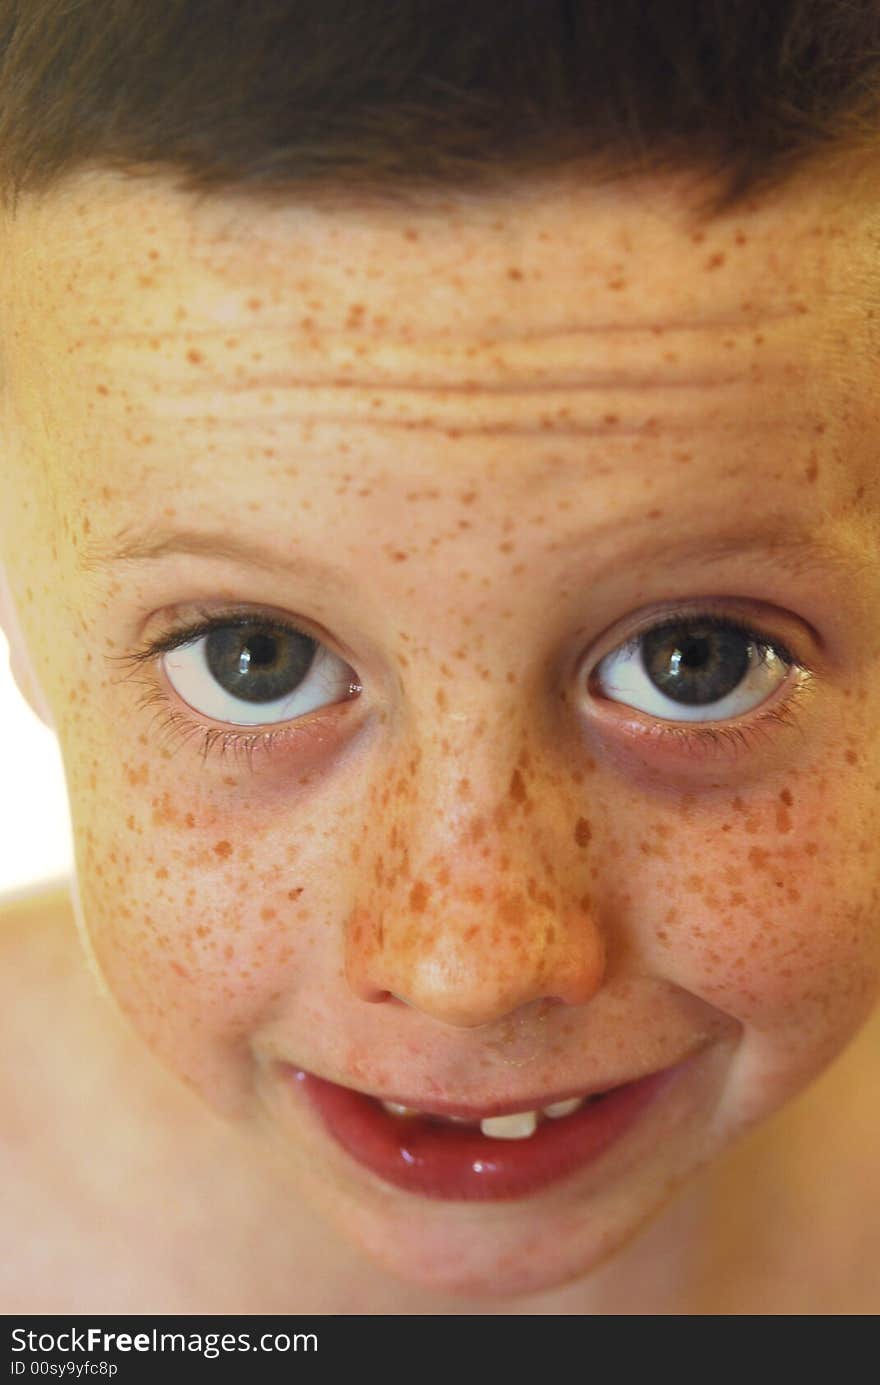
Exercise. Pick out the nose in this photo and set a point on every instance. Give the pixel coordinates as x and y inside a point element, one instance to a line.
<point>475,958</point>
<point>498,919</point>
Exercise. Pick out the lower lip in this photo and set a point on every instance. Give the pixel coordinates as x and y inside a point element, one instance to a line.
<point>461,1164</point>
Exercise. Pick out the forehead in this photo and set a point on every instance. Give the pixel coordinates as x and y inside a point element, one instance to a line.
<point>578,340</point>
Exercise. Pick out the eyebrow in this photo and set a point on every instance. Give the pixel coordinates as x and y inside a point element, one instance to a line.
<point>162,543</point>
<point>798,553</point>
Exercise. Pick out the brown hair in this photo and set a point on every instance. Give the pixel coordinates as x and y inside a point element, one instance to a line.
<point>407,97</point>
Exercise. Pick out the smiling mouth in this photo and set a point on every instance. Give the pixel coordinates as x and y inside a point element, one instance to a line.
<point>518,1125</point>
<point>459,1154</point>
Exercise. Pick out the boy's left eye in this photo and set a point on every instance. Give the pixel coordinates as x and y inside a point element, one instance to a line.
<point>692,668</point>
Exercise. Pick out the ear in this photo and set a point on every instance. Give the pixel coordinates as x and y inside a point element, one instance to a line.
<point>19,659</point>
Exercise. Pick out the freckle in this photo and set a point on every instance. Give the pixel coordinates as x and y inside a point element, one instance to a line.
<point>851,757</point>
<point>514,273</point>
<point>611,418</point>
<point>714,261</point>
<point>411,233</point>
<point>418,897</point>
<point>195,356</point>
<point>102,389</point>
<point>812,470</point>
<point>517,787</point>
<point>783,819</point>
<point>295,894</point>
<point>582,832</point>
<point>223,848</point>
<point>268,914</point>
<point>616,285</point>
<point>162,873</point>
<point>440,699</point>
<point>740,238</point>
<point>698,237</point>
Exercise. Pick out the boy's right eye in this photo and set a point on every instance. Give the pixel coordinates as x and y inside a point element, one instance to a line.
<point>249,672</point>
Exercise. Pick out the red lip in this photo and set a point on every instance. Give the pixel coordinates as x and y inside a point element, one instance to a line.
<point>460,1163</point>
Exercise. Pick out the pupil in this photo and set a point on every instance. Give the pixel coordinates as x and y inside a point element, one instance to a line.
<point>261,650</point>
<point>694,652</point>
<point>259,665</point>
<point>697,668</point>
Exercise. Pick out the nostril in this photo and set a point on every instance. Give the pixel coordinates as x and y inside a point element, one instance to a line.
<point>374,996</point>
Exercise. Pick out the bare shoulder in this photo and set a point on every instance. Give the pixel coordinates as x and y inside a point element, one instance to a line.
<point>114,1178</point>
<point>796,1220</point>
<point>37,926</point>
<point>42,966</point>
<point>52,1008</point>
<point>91,1127</point>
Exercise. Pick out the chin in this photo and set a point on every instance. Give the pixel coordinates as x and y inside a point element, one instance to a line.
<point>483,1253</point>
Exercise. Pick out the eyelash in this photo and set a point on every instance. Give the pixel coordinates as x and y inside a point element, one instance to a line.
<point>182,725</point>
<point>695,741</point>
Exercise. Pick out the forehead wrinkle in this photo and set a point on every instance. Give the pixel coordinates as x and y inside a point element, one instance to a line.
<point>747,317</point>
<point>549,385</point>
<point>687,410</point>
<point>577,356</point>
<point>577,382</point>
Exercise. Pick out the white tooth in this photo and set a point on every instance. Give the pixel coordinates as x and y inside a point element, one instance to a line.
<point>516,1127</point>
<point>397,1110</point>
<point>563,1108</point>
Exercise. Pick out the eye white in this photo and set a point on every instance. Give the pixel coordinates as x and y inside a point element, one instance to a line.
<point>623,677</point>
<point>326,680</point>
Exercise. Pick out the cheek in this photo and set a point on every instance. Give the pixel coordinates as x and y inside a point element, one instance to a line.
<point>776,922</point>
<point>202,923</point>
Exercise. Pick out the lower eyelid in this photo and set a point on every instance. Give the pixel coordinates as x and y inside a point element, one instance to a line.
<point>732,739</point>
<point>309,732</point>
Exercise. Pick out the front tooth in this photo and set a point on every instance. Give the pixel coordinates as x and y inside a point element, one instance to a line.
<point>563,1108</point>
<point>516,1127</point>
<point>397,1110</point>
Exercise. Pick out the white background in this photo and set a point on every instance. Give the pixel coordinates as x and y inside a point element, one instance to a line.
<point>35,838</point>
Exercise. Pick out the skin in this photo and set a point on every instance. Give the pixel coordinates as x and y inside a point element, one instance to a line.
<point>476,443</point>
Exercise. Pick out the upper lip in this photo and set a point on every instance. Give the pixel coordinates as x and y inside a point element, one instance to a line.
<point>534,1102</point>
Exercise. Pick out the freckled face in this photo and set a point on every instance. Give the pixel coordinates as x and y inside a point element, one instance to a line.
<point>474,451</point>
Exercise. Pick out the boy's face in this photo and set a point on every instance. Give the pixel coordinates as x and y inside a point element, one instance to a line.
<point>470,453</point>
